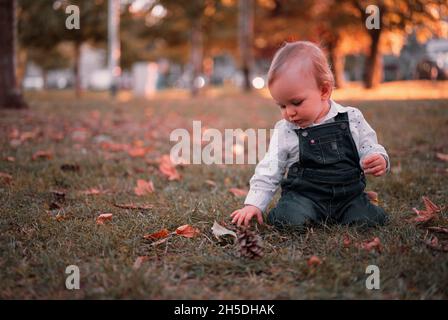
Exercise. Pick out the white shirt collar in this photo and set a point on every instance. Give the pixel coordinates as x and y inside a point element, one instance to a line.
<point>335,108</point>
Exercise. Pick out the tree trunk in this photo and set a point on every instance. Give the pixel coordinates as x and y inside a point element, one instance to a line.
<point>76,69</point>
<point>337,62</point>
<point>10,94</point>
<point>196,55</point>
<point>374,61</point>
<point>245,39</point>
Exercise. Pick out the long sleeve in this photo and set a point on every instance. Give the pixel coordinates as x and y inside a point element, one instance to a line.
<point>365,137</point>
<point>269,171</point>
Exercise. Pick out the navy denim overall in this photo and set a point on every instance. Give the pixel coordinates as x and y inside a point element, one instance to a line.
<point>327,184</point>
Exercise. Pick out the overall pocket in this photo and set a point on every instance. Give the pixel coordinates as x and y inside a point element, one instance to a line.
<point>329,146</point>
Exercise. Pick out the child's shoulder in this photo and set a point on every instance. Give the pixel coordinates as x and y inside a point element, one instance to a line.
<point>282,124</point>
<point>353,112</point>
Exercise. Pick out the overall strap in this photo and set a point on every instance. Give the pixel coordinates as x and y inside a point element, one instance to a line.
<point>341,116</point>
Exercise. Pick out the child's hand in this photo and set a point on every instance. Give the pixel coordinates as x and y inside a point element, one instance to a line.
<point>246,214</point>
<point>374,164</point>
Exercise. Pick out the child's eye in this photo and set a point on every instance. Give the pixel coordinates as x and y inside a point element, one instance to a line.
<point>296,103</point>
<point>282,106</point>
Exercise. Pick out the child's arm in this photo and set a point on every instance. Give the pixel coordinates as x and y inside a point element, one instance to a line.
<point>373,156</point>
<point>265,181</point>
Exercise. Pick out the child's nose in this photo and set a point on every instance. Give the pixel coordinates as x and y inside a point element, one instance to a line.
<point>290,110</point>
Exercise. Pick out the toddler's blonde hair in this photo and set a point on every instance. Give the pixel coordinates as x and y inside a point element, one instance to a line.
<point>302,50</point>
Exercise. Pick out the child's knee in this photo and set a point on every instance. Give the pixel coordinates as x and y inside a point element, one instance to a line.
<point>374,216</point>
<point>287,215</point>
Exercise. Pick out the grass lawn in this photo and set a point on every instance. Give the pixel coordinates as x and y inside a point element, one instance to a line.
<point>37,242</point>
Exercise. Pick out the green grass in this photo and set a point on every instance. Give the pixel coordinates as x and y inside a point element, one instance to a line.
<point>35,248</point>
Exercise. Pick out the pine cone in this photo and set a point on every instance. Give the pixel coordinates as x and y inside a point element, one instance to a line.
<point>249,244</point>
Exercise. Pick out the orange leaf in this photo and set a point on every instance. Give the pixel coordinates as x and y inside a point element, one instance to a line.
<point>139,261</point>
<point>210,183</point>
<point>373,197</point>
<point>93,191</point>
<point>374,244</point>
<point>42,155</point>
<point>442,156</point>
<point>137,152</point>
<point>143,187</point>
<point>238,192</point>
<point>429,213</point>
<point>346,241</point>
<point>157,235</point>
<point>187,231</point>
<point>314,261</point>
<point>168,169</point>
<point>103,218</point>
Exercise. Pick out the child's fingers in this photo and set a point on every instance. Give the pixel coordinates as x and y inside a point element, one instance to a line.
<point>369,159</point>
<point>373,165</point>
<point>240,219</point>
<point>236,216</point>
<point>376,169</point>
<point>379,173</point>
<point>377,162</point>
<point>247,219</point>
<point>234,213</point>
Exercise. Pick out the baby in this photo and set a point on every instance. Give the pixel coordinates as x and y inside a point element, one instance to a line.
<point>326,147</point>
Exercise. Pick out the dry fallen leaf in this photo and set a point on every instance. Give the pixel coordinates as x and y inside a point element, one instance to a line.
<point>42,155</point>
<point>137,152</point>
<point>139,261</point>
<point>210,183</point>
<point>442,156</point>
<point>347,241</point>
<point>168,169</point>
<point>143,187</point>
<point>102,218</point>
<point>314,261</point>
<point>157,235</point>
<point>219,231</point>
<point>374,244</point>
<point>430,212</point>
<point>10,159</point>
<point>159,241</point>
<point>93,191</point>
<point>187,231</point>
<point>238,192</point>
<point>435,244</point>
<point>373,197</point>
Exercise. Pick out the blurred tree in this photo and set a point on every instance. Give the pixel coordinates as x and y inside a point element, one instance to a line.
<point>245,39</point>
<point>398,16</point>
<point>192,20</point>
<point>42,25</point>
<point>336,23</point>
<point>10,95</point>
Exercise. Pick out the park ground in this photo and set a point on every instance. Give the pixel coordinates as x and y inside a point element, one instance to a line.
<point>89,153</point>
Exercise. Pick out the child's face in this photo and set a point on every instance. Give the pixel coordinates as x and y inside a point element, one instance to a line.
<point>300,100</point>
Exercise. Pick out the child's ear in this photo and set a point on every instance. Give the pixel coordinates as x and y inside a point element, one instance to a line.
<point>325,91</point>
